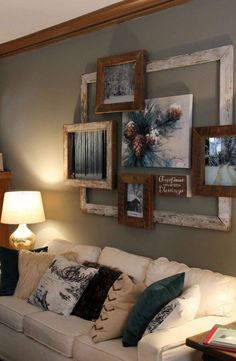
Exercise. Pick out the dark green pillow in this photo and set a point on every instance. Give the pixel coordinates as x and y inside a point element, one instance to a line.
<point>151,301</point>
<point>9,269</point>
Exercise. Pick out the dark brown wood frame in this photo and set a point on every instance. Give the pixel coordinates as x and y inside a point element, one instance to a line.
<point>148,195</point>
<point>198,161</point>
<point>137,57</point>
<point>110,127</point>
<point>96,20</point>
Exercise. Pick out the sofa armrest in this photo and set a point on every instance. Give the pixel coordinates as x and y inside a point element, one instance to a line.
<point>152,346</point>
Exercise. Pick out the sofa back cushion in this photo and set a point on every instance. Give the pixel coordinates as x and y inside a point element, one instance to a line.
<point>218,291</point>
<point>162,268</point>
<point>135,266</point>
<point>85,252</point>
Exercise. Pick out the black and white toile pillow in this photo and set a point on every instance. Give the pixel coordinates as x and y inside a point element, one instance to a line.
<point>61,286</point>
<point>177,312</point>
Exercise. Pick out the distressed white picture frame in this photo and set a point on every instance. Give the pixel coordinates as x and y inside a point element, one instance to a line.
<point>223,54</point>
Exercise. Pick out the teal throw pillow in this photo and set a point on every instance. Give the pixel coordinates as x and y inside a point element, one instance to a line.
<point>8,271</point>
<point>151,301</point>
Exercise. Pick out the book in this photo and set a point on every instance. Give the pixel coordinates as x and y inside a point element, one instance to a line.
<point>221,337</point>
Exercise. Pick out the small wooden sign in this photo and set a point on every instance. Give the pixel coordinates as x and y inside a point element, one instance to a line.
<point>170,185</point>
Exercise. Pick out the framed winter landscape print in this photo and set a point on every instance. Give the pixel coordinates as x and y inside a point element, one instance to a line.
<point>120,83</point>
<point>151,138</point>
<point>89,151</point>
<point>214,161</point>
<point>135,200</point>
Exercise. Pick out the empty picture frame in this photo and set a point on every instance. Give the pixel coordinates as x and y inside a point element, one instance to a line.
<point>135,200</point>
<point>214,161</point>
<point>120,83</point>
<point>89,154</point>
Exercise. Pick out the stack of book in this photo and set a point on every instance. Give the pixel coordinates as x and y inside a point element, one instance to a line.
<point>221,337</point>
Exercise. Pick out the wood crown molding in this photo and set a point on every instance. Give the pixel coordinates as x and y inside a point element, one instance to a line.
<point>110,15</point>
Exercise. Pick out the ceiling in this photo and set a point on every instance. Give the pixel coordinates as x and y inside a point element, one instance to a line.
<point>23,17</point>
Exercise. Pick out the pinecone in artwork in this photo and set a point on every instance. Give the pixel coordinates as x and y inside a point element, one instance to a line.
<point>145,134</point>
<point>138,145</point>
<point>152,137</point>
<point>174,112</point>
<point>130,131</point>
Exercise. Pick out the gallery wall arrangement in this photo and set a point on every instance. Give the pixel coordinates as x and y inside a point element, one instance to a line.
<point>157,133</point>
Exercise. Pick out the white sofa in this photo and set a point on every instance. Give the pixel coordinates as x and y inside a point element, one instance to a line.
<point>27,333</point>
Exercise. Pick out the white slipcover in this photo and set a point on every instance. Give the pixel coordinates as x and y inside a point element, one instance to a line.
<point>55,331</point>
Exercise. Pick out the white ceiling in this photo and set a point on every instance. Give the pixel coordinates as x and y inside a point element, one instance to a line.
<point>23,17</point>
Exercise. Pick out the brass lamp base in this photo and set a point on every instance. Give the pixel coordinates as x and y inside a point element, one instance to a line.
<point>22,238</point>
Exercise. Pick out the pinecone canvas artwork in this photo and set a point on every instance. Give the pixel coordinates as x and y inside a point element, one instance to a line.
<point>159,136</point>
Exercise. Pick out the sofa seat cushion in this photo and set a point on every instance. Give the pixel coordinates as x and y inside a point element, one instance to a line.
<point>55,331</point>
<point>85,349</point>
<point>135,266</point>
<point>13,310</point>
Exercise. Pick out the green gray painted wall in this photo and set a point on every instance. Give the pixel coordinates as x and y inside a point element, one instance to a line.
<point>40,90</point>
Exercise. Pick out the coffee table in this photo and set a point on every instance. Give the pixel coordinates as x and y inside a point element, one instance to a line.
<point>210,354</point>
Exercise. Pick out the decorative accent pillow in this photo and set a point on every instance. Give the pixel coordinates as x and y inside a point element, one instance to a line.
<point>177,312</point>
<point>121,298</point>
<point>90,304</point>
<point>152,300</point>
<point>9,273</point>
<point>32,266</point>
<point>61,286</point>
<point>40,249</point>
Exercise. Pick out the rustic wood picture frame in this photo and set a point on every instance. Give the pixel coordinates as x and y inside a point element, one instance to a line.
<point>146,201</point>
<point>108,128</point>
<point>223,54</point>
<point>200,135</point>
<point>137,58</point>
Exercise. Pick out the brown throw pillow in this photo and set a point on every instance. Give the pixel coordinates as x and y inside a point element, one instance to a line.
<point>121,297</point>
<point>31,268</point>
<point>90,304</point>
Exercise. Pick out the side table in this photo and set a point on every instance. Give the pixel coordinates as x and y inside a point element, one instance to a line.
<point>208,353</point>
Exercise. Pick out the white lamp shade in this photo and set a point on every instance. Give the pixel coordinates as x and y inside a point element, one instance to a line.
<point>22,207</point>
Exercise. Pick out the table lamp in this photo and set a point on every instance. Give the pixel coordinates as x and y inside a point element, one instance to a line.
<point>22,207</point>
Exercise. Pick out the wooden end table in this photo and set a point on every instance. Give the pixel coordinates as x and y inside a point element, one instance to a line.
<point>210,354</point>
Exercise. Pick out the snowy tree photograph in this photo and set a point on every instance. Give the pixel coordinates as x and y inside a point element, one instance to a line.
<point>220,161</point>
<point>135,200</point>
<point>119,83</point>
